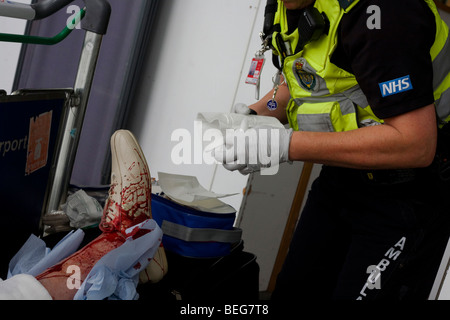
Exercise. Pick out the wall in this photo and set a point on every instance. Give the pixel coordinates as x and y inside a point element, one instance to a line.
<point>201,50</point>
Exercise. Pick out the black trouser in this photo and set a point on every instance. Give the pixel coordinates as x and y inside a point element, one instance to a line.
<point>366,240</point>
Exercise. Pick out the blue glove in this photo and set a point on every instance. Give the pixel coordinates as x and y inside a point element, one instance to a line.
<point>116,275</point>
<point>261,148</point>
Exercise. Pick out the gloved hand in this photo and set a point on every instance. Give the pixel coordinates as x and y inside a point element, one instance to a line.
<point>242,108</point>
<point>251,150</point>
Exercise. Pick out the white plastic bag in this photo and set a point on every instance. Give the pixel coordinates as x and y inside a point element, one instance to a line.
<point>82,210</point>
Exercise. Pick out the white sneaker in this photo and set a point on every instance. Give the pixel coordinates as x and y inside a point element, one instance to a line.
<point>129,201</point>
<point>129,195</point>
<point>156,269</point>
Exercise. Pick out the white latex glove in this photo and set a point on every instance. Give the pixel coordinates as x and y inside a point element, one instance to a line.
<point>242,108</point>
<point>251,150</point>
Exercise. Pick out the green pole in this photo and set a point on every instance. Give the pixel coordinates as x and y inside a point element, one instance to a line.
<point>42,40</point>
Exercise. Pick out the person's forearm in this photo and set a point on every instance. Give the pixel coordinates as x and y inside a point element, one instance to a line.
<point>405,141</point>
<point>283,96</point>
<point>377,147</point>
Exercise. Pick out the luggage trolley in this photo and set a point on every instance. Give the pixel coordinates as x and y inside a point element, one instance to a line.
<point>40,129</point>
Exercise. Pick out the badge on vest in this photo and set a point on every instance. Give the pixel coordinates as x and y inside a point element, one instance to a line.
<point>307,80</point>
<point>395,86</point>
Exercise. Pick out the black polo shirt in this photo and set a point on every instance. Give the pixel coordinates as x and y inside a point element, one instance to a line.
<point>386,45</point>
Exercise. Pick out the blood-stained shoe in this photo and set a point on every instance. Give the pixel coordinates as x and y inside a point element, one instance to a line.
<point>130,193</point>
<point>156,269</point>
<point>129,200</point>
<point>128,204</point>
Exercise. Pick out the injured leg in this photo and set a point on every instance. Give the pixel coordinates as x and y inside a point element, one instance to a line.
<point>56,279</point>
<point>128,204</point>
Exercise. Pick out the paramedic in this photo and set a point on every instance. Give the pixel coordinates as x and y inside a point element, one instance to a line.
<point>367,100</point>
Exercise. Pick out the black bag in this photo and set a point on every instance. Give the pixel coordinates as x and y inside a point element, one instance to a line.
<point>234,277</point>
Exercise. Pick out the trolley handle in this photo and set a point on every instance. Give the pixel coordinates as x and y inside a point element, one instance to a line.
<point>97,17</point>
<point>98,12</point>
<point>46,8</point>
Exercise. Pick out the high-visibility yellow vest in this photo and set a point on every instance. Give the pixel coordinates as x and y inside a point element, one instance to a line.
<point>325,97</point>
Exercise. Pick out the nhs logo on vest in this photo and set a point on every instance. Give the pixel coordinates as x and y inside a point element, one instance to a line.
<point>395,86</point>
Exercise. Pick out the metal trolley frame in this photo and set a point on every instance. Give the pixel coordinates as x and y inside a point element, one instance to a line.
<point>94,20</point>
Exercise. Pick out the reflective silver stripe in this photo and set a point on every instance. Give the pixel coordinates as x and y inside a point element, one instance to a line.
<point>443,105</point>
<point>332,98</point>
<point>353,94</point>
<point>441,65</point>
<point>441,69</point>
<point>346,104</point>
<point>320,122</point>
<point>356,95</point>
<point>200,234</point>
<point>347,107</point>
<point>300,101</point>
<point>322,88</point>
